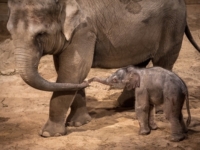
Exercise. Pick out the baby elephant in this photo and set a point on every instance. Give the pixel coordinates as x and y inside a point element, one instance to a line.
<point>154,86</point>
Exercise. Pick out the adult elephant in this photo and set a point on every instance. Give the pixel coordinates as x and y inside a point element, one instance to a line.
<point>91,33</point>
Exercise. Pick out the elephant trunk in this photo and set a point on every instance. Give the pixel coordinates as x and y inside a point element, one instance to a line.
<point>27,66</point>
<point>100,80</point>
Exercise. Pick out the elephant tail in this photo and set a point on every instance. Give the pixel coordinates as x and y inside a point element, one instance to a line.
<point>188,109</point>
<point>185,92</point>
<point>190,38</point>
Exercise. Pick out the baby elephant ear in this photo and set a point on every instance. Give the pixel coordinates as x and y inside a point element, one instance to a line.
<point>133,82</point>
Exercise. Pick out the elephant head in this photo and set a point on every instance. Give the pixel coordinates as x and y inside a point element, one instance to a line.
<point>37,28</point>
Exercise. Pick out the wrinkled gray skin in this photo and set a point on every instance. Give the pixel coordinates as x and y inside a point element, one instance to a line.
<point>154,86</point>
<point>91,33</point>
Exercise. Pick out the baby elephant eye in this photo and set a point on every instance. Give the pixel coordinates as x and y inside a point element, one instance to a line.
<point>114,80</point>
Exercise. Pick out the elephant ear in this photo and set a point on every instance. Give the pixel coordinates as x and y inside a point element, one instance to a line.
<point>72,18</point>
<point>133,82</point>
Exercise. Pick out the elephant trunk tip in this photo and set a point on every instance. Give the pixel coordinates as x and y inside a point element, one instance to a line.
<point>100,80</point>
<point>92,79</point>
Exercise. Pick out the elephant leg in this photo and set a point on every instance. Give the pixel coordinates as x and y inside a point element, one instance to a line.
<point>177,133</point>
<point>59,104</point>
<point>73,66</point>
<point>169,45</point>
<point>142,108</point>
<point>175,117</point>
<point>152,123</point>
<point>78,115</point>
<point>127,98</point>
<point>185,130</point>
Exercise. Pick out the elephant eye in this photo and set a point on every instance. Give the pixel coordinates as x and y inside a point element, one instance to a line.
<point>114,80</point>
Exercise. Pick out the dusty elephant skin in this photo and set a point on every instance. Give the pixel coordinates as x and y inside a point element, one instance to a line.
<point>154,86</point>
<point>81,35</point>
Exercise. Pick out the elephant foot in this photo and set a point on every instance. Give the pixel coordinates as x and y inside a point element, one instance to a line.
<point>153,126</point>
<point>159,109</point>
<point>144,131</point>
<point>177,137</point>
<point>78,118</point>
<point>52,129</point>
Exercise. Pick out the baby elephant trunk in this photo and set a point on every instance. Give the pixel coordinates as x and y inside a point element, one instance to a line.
<point>100,80</point>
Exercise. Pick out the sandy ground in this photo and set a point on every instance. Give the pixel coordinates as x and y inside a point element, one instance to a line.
<point>24,110</point>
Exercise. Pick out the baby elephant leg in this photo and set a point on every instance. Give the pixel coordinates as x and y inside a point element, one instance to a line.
<point>152,123</point>
<point>185,130</point>
<point>177,133</point>
<point>175,117</point>
<point>142,111</point>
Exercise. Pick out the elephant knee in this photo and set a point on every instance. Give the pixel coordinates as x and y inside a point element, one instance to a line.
<point>142,109</point>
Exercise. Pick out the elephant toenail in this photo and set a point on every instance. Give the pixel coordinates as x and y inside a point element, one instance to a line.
<point>46,134</point>
<point>58,134</point>
<point>77,124</point>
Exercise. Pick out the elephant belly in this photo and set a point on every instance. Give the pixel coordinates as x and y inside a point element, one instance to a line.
<point>119,59</point>
<point>124,53</point>
<point>156,96</point>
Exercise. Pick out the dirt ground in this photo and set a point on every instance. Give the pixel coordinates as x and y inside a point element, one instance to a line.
<point>24,110</point>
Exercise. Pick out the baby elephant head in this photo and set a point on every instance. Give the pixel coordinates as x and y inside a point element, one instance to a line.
<point>125,78</point>
<point>116,80</point>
